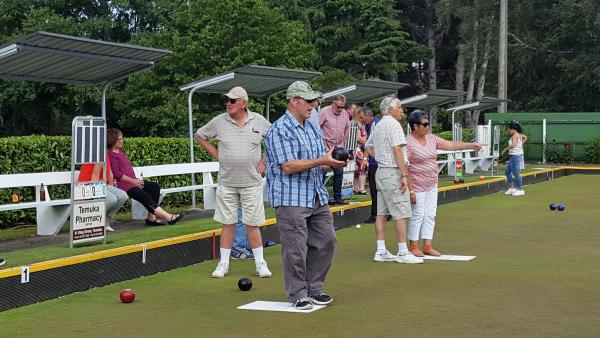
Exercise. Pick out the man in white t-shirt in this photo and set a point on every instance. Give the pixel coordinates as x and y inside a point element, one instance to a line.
<point>387,144</point>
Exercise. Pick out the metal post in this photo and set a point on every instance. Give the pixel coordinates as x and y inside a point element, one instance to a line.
<point>268,108</point>
<point>489,140</point>
<point>191,135</point>
<point>104,100</point>
<point>503,57</point>
<point>544,130</point>
<point>453,112</point>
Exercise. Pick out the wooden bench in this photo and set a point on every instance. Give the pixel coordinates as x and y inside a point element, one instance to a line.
<point>52,214</point>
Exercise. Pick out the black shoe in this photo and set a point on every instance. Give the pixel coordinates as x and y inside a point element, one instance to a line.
<point>154,223</point>
<point>341,202</point>
<point>371,219</point>
<point>331,202</point>
<point>176,219</point>
<point>302,304</point>
<point>2,261</point>
<point>321,299</point>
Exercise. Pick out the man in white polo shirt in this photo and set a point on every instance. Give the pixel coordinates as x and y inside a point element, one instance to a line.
<point>241,165</point>
<point>387,145</point>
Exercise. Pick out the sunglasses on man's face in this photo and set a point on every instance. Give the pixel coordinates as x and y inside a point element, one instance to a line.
<point>307,101</point>
<point>231,101</point>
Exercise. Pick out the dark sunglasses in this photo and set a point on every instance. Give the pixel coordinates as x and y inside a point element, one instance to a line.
<point>426,124</point>
<point>307,101</point>
<point>232,101</point>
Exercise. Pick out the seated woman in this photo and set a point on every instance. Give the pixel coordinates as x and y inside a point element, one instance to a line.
<point>147,193</point>
<point>115,197</point>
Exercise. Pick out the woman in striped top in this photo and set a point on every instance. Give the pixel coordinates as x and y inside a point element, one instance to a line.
<point>423,171</point>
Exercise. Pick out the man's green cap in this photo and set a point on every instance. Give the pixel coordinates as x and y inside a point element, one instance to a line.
<point>301,89</point>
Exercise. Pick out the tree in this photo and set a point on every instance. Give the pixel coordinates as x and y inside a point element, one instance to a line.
<point>554,62</point>
<point>477,33</point>
<point>361,37</point>
<point>206,37</point>
<point>420,19</point>
<point>27,107</point>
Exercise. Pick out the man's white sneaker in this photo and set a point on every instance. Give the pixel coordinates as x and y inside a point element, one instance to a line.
<point>221,271</point>
<point>510,191</point>
<point>262,270</point>
<point>408,259</point>
<point>519,192</point>
<point>386,257</point>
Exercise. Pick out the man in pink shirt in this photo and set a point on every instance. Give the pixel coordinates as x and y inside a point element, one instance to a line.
<point>335,125</point>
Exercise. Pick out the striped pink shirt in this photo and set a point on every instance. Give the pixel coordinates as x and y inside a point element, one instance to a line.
<point>422,158</point>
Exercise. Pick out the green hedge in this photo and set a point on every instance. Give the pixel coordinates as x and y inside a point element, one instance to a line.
<point>30,154</point>
<point>560,153</point>
<point>592,151</point>
<point>467,135</point>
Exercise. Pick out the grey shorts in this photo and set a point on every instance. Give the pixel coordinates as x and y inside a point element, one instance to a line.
<point>390,200</point>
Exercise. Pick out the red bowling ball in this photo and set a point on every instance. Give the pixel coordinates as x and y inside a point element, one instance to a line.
<point>127,295</point>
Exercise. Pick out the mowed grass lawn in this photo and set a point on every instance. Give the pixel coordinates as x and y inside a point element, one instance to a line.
<point>536,275</point>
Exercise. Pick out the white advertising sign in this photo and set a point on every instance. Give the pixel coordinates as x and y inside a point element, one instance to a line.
<point>88,221</point>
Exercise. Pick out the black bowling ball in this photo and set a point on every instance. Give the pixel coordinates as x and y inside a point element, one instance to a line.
<point>340,154</point>
<point>245,284</point>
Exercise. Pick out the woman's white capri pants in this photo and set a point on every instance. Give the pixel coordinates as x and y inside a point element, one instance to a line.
<point>422,221</point>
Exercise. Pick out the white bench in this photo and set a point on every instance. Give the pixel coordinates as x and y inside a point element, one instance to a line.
<point>208,186</point>
<point>52,214</point>
<point>481,161</point>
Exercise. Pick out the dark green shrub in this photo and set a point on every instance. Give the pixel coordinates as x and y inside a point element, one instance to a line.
<point>592,151</point>
<point>468,135</point>
<point>557,152</point>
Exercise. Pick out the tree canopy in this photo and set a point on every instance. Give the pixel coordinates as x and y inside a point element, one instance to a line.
<point>554,53</point>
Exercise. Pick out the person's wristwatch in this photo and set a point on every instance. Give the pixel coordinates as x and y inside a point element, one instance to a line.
<point>403,176</point>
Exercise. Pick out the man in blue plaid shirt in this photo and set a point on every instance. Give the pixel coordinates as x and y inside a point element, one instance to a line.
<point>295,156</point>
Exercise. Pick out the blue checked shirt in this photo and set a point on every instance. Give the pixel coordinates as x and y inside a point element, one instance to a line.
<point>286,141</point>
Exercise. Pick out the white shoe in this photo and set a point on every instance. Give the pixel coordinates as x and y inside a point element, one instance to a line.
<point>519,192</point>
<point>109,228</point>
<point>510,191</point>
<point>221,271</point>
<point>386,257</point>
<point>262,270</point>
<point>408,259</point>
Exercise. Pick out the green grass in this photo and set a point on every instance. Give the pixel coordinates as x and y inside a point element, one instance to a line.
<point>446,181</point>
<point>17,233</point>
<point>536,274</point>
